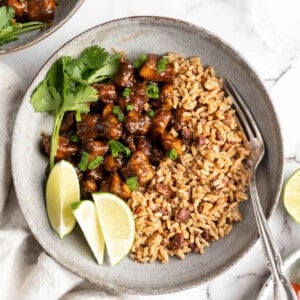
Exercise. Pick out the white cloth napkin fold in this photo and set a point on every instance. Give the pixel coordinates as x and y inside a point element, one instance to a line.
<point>26,271</point>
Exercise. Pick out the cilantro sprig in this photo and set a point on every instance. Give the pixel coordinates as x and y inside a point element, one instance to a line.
<point>66,87</point>
<point>10,30</point>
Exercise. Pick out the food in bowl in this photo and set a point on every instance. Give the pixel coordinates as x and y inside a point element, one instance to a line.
<point>162,135</point>
<point>32,10</point>
<point>17,17</point>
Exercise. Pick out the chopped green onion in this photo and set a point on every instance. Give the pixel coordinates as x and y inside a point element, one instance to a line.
<point>139,62</point>
<point>83,164</point>
<point>73,137</point>
<point>129,107</point>
<point>172,154</point>
<point>162,64</point>
<point>117,148</point>
<point>152,91</point>
<point>151,113</point>
<point>132,183</point>
<point>118,113</point>
<point>96,162</point>
<point>126,92</point>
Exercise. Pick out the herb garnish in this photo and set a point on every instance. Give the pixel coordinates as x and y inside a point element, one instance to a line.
<point>152,91</point>
<point>117,148</point>
<point>162,64</point>
<point>172,154</point>
<point>73,137</point>
<point>139,62</point>
<point>84,160</point>
<point>66,87</point>
<point>9,29</point>
<point>84,163</point>
<point>126,92</point>
<point>132,183</point>
<point>96,162</point>
<point>151,113</point>
<point>129,107</point>
<point>118,113</point>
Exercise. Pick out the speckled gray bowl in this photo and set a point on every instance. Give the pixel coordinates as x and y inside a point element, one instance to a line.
<point>64,10</point>
<point>138,35</point>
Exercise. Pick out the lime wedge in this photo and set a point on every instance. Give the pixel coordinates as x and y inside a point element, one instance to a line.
<point>117,224</point>
<point>62,189</point>
<point>86,216</point>
<point>291,195</point>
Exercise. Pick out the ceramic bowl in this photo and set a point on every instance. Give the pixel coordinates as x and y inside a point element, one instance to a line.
<point>137,35</point>
<point>291,268</point>
<point>64,10</point>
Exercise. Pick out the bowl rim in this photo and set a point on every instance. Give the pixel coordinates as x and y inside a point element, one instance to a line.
<point>47,33</point>
<point>269,210</point>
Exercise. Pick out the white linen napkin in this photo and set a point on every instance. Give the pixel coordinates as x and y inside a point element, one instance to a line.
<point>26,271</point>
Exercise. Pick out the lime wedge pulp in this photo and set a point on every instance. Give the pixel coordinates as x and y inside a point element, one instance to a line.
<point>117,224</point>
<point>291,195</point>
<point>62,189</point>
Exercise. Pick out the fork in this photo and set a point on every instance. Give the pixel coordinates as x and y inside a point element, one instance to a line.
<point>282,289</point>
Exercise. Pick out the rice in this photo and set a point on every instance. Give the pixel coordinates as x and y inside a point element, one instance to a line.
<point>194,200</point>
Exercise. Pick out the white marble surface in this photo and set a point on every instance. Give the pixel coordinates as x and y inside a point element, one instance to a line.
<point>280,72</point>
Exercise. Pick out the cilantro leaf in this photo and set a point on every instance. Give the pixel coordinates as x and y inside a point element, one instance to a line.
<point>78,102</point>
<point>94,64</point>
<point>76,70</point>
<point>6,16</point>
<point>94,57</point>
<point>46,99</point>
<point>9,30</point>
<point>106,71</point>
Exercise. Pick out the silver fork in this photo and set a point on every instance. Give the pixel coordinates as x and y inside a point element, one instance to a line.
<point>282,289</point>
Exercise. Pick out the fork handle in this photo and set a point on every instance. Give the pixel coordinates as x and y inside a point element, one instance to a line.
<point>282,288</point>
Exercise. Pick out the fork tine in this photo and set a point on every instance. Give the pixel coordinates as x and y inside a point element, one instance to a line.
<point>243,110</point>
<point>241,117</point>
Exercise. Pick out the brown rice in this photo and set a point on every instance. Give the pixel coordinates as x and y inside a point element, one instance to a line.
<point>194,200</point>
